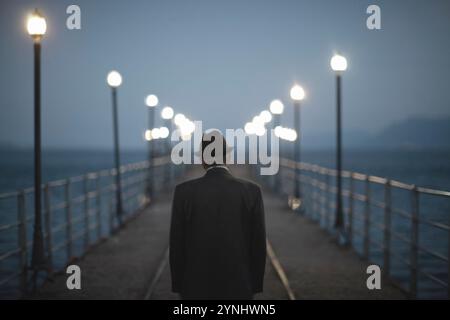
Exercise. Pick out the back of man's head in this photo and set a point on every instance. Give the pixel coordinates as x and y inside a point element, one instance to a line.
<point>214,148</point>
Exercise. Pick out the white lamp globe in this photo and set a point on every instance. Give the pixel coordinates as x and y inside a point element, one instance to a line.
<point>338,63</point>
<point>249,128</point>
<point>148,135</point>
<point>186,137</point>
<point>291,135</point>
<point>187,127</point>
<point>156,134</point>
<point>260,131</point>
<point>163,132</point>
<point>279,131</point>
<point>167,113</point>
<point>36,24</point>
<point>258,121</point>
<point>297,93</point>
<point>266,116</point>
<point>114,79</point>
<point>276,107</point>
<point>190,126</point>
<point>179,119</point>
<point>151,101</point>
<point>284,133</point>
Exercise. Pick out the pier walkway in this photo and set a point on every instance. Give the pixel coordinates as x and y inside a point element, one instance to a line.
<point>132,264</point>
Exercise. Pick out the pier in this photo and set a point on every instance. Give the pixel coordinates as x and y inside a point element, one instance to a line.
<point>307,258</point>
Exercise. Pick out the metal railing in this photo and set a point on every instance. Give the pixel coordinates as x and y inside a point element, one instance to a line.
<point>402,227</point>
<point>78,212</point>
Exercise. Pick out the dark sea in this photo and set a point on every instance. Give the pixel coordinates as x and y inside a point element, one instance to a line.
<point>428,168</point>
<point>17,171</point>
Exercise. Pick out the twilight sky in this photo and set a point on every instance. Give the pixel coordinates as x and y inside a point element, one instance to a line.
<point>221,62</point>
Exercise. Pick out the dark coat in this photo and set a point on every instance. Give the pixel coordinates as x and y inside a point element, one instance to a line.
<point>217,237</point>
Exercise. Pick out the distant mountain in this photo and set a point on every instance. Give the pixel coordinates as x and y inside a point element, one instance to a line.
<point>411,133</point>
<point>417,132</point>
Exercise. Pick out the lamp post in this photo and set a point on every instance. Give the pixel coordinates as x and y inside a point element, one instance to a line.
<point>36,27</point>
<point>276,108</point>
<point>167,114</point>
<point>297,95</point>
<point>339,65</point>
<point>152,102</point>
<point>260,131</point>
<point>114,80</point>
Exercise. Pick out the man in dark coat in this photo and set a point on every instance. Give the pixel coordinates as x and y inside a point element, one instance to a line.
<point>217,235</point>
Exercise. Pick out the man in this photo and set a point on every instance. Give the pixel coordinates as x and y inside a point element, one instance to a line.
<point>217,235</point>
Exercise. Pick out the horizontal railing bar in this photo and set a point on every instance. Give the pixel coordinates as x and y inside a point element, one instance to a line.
<point>76,179</point>
<point>401,185</point>
<point>400,237</point>
<point>59,227</point>
<point>92,175</point>
<point>378,180</point>
<point>434,192</point>
<point>9,254</point>
<point>401,213</point>
<point>433,278</point>
<point>59,246</point>
<point>359,176</point>
<point>9,226</point>
<point>359,197</point>
<point>378,204</point>
<point>9,278</point>
<point>78,199</point>
<point>435,224</point>
<point>11,194</point>
<point>399,257</point>
<point>57,183</point>
<point>432,253</point>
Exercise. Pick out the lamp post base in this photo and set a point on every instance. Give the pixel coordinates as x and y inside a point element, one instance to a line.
<point>295,204</point>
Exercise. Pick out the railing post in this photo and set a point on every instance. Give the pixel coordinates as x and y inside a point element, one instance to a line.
<point>48,227</point>
<point>327,203</point>
<point>387,228</point>
<point>98,203</point>
<point>111,214</point>
<point>323,192</point>
<point>350,210</point>
<point>414,242</point>
<point>311,190</point>
<point>22,237</point>
<point>318,193</point>
<point>68,221</point>
<point>86,211</point>
<point>367,219</point>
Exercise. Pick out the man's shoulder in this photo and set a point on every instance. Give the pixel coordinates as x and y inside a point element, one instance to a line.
<point>187,185</point>
<point>248,184</point>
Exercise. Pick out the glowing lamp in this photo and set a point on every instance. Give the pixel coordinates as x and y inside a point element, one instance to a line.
<point>114,79</point>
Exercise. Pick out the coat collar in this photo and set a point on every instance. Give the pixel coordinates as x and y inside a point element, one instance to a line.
<point>218,169</point>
